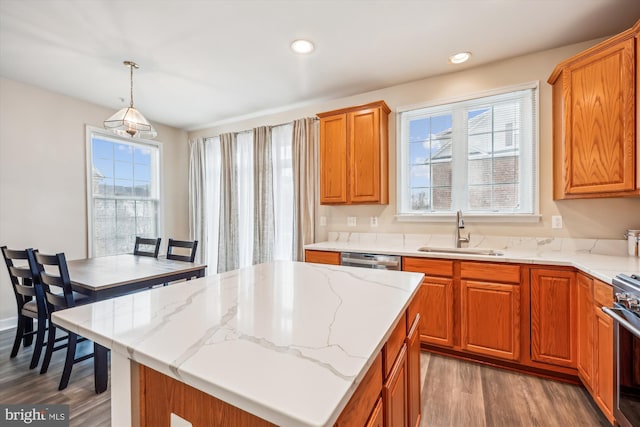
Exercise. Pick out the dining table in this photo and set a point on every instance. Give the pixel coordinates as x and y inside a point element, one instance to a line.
<point>107,277</point>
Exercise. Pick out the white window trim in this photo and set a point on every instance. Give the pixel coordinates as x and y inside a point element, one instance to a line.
<point>401,160</point>
<point>92,130</point>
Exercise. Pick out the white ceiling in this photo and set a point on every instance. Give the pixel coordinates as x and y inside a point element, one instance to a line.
<point>204,62</point>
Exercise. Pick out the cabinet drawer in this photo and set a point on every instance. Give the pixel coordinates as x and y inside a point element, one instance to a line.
<point>322,257</point>
<point>394,343</point>
<point>430,267</point>
<point>492,272</point>
<point>602,293</point>
<point>363,400</point>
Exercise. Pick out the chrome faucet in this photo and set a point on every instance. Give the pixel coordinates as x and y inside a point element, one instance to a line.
<point>460,240</point>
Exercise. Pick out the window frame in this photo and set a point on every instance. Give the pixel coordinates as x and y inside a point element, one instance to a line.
<point>91,131</point>
<point>402,158</point>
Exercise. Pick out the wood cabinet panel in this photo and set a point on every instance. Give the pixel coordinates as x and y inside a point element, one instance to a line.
<point>359,407</point>
<point>413,374</point>
<point>553,322</point>
<point>364,173</point>
<point>600,121</point>
<point>602,293</point>
<point>377,416</point>
<point>604,363</point>
<point>333,159</point>
<point>430,267</point>
<point>394,344</point>
<point>394,392</point>
<point>322,257</point>
<point>594,121</point>
<point>586,319</point>
<point>354,151</point>
<point>491,319</point>
<point>437,313</point>
<point>509,273</point>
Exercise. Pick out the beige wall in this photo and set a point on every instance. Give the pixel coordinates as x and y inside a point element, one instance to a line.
<point>43,175</point>
<point>598,218</point>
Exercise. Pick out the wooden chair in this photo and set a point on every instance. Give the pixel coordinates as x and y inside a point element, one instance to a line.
<point>59,295</point>
<point>30,301</point>
<point>152,247</point>
<point>187,245</point>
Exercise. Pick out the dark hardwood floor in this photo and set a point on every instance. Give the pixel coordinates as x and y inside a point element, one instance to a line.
<point>455,393</point>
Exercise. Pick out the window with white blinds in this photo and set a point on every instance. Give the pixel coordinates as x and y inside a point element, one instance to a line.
<point>478,155</point>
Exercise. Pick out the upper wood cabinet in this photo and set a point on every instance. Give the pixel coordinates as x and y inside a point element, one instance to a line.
<point>595,148</point>
<point>354,155</point>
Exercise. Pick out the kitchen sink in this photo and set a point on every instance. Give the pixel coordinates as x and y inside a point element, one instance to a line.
<point>468,251</point>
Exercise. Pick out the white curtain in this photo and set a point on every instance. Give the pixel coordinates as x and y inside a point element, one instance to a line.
<point>244,197</point>
<point>197,197</point>
<point>263,226</point>
<point>283,192</point>
<point>228,233</point>
<point>304,151</point>
<point>212,194</point>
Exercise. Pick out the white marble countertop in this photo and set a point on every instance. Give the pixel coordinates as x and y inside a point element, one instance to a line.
<point>286,341</point>
<point>603,259</point>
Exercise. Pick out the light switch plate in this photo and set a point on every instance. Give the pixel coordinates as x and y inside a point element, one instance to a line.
<point>556,221</point>
<point>351,221</point>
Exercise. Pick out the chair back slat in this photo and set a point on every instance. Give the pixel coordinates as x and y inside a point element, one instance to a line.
<point>191,245</point>
<point>51,282</point>
<point>25,280</point>
<point>147,247</point>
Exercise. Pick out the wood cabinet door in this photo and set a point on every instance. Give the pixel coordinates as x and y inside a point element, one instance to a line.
<point>413,374</point>
<point>599,121</point>
<point>377,416</point>
<point>604,362</point>
<point>586,319</point>
<point>364,155</point>
<point>394,392</point>
<point>491,319</point>
<point>333,159</point>
<point>436,315</point>
<point>322,257</point>
<point>553,317</point>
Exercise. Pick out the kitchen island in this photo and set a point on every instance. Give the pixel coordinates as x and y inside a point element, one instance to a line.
<point>286,342</point>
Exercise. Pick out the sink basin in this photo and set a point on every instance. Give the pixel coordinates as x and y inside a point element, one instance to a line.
<point>469,251</point>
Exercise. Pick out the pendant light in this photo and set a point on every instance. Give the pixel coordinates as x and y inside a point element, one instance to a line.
<point>129,121</point>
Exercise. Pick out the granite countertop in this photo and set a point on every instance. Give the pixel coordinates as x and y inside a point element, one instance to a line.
<point>286,341</point>
<point>602,259</point>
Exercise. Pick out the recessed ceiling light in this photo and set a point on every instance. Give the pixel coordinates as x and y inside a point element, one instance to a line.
<point>302,46</point>
<point>459,58</point>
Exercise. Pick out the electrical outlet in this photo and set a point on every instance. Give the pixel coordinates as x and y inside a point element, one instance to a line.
<point>556,221</point>
<point>374,221</point>
<point>351,221</point>
<point>323,221</point>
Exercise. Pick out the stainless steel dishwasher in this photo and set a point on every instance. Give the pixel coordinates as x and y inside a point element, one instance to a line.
<point>381,262</point>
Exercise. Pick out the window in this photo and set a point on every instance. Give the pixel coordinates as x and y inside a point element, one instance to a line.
<point>123,192</point>
<point>478,155</point>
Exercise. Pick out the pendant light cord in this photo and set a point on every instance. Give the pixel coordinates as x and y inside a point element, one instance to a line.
<point>131,79</point>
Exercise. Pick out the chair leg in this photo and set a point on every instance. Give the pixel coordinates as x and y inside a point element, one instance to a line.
<point>68,363</point>
<point>28,327</point>
<point>37,349</point>
<point>19,336</point>
<point>51,340</point>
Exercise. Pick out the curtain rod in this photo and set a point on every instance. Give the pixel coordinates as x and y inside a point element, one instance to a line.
<point>315,119</point>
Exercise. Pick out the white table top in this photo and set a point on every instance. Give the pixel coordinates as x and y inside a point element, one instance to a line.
<point>286,341</point>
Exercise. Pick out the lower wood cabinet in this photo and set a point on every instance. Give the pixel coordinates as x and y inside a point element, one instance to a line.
<point>413,371</point>
<point>586,323</point>
<point>322,257</point>
<point>377,418</point>
<point>553,317</point>
<point>490,319</point>
<point>394,392</point>
<point>603,349</point>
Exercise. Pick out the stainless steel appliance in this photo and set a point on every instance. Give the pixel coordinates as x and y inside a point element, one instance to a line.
<point>626,316</point>
<point>381,262</point>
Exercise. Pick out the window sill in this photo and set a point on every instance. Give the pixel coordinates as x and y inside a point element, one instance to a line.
<point>471,218</point>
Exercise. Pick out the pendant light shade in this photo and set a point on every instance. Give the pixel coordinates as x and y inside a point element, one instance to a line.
<point>129,121</point>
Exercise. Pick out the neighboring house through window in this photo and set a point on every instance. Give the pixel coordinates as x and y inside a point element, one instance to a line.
<point>478,155</point>
<point>123,191</point>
